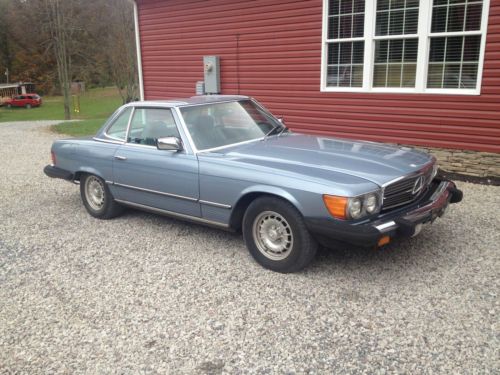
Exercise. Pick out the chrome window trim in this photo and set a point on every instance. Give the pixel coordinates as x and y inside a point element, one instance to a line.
<point>150,147</point>
<point>185,129</point>
<point>108,141</point>
<point>174,214</point>
<point>105,132</point>
<point>230,145</point>
<point>139,145</point>
<point>232,99</point>
<point>188,134</point>
<point>128,125</point>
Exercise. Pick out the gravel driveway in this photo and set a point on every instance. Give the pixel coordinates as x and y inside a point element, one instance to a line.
<point>147,294</point>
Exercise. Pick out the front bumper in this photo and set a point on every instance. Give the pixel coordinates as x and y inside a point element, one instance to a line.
<point>402,222</point>
<point>55,172</point>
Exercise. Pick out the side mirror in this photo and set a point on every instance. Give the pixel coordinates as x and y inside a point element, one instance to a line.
<point>281,120</point>
<point>169,144</point>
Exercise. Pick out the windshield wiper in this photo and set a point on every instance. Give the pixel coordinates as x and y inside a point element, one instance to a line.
<point>282,127</point>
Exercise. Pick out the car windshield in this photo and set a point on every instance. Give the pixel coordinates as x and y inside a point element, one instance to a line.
<point>222,124</point>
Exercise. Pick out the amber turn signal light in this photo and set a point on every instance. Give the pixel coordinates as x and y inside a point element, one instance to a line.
<point>336,206</point>
<point>384,240</point>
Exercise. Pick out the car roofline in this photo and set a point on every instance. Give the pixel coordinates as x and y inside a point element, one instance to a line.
<point>187,102</point>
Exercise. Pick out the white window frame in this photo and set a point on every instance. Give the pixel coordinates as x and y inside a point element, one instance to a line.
<point>424,35</point>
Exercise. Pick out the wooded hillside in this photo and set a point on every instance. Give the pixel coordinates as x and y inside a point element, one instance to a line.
<point>54,42</point>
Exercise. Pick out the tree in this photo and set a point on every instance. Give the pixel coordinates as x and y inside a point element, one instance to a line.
<point>59,15</point>
<point>117,24</point>
<point>6,57</point>
<point>90,40</point>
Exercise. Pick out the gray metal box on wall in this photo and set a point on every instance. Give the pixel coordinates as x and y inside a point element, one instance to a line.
<point>211,69</point>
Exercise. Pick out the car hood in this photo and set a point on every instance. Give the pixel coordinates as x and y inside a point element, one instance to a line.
<point>375,162</point>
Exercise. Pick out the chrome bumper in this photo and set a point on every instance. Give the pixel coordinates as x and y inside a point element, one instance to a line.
<point>445,193</point>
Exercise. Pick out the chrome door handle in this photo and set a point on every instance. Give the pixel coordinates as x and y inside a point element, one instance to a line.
<point>120,157</point>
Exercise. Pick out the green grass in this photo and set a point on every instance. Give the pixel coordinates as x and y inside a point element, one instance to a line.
<point>79,128</point>
<point>95,107</point>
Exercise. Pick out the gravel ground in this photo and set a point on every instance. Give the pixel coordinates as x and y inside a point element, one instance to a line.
<point>147,294</point>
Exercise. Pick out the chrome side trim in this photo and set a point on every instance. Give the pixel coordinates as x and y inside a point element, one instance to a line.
<point>173,214</point>
<point>215,204</point>
<point>208,203</point>
<point>154,191</point>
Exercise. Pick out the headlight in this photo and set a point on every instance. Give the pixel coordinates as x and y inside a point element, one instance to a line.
<point>352,207</point>
<point>370,203</point>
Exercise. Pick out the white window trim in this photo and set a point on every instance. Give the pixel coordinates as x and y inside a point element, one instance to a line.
<point>424,34</point>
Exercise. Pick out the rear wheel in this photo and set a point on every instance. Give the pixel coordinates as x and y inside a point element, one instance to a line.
<point>276,235</point>
<point>27,106</point>
<point>97,198</point>
<point>9,105</point>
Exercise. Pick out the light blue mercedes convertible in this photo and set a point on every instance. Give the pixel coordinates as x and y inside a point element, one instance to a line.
<point>226,161</point>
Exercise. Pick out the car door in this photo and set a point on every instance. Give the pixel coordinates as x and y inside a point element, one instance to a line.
<point>18,101</point>
<point>160,179</point>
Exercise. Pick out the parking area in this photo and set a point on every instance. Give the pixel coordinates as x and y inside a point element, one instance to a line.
<point>148,294</point>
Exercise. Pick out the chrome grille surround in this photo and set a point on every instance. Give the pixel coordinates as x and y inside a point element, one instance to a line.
<point>406,189</point>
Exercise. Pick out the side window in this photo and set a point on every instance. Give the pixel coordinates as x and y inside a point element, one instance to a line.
<point>118,129</point>
<point>149,124</point>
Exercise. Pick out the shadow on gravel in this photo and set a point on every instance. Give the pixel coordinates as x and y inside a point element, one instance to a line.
<point>418,253</point>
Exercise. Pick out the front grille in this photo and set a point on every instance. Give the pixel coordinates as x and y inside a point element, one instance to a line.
<point>400,192</point>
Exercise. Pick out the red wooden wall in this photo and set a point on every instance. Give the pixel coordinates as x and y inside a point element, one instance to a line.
<point>271,50</point>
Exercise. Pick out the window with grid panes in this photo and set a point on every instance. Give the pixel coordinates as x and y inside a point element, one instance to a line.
<point>404,45</point>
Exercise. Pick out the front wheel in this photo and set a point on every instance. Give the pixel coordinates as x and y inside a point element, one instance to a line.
<point>28,106</point>
<point>97,198</point>
<point>9,105</point>
<point>276,235</point>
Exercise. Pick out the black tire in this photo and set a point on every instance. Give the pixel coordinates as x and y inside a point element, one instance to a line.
<point>99,203</point>
<point>27,106</point>
<point>296,246</point>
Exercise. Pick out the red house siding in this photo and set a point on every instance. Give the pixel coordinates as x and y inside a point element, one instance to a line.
<point>271,50</point>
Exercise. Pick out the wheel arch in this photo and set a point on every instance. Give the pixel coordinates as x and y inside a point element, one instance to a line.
<point>250,194</point>
<point>87,170</point>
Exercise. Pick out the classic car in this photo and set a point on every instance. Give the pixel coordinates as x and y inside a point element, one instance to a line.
<point>226,161</point>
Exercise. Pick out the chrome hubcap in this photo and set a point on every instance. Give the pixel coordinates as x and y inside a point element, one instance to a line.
<point>273,235</point>
<point>94,191</point>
